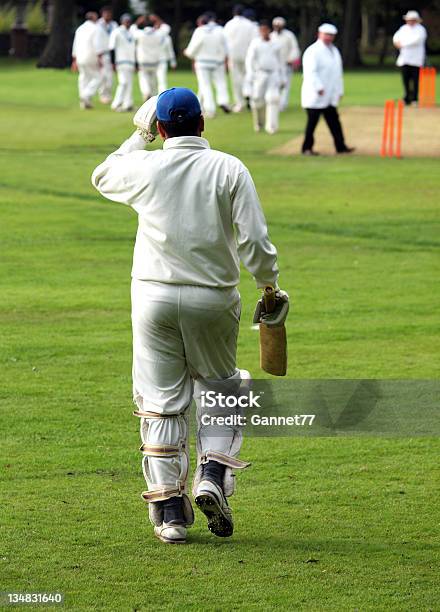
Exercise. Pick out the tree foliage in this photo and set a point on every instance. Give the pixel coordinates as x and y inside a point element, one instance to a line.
<point>363,24</point>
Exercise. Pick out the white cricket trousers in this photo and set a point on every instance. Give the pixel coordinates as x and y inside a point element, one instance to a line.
<point>148,80</point>
<point>124,91</point>
<point>162,75</point>
<point>89,80</point>
<point>237,70</point>
<point>265,100</point>
<point>209,76</point>
<point>285,92</point>
<point>184,342</point>
<point>105,89</point>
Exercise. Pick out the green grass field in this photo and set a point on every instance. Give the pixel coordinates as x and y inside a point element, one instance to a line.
<point>358,250</point>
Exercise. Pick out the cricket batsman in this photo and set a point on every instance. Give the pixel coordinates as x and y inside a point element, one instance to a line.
<point>199,216</point>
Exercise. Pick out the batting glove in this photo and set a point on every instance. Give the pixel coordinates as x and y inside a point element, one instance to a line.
<point>145,119</point>
<point>279,314</point>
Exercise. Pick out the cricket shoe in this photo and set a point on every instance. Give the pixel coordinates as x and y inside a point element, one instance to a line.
<point>346,150</point>
<point>170,533</point>
<point>225,108</point>
<point>210,499</point>
<point>85,104</point>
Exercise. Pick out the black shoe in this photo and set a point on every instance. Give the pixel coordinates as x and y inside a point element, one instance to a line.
<point>310,153</point>
<point>346,150</point>
<point>225,108</point>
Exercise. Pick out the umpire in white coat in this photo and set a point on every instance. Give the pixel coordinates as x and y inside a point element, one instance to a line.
<point>199,215</point>
<point>410,39</point>
<point>322,88</point>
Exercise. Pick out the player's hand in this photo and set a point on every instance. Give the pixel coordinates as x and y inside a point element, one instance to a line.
<point>279,314</point>
<point>145,119</point>
<point>74,66</point>
<point>320,92</point>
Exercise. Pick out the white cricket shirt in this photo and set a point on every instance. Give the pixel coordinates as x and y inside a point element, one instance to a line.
<point>239,32</point>
<point>150,43</point>
<point>85,48</point>
<point>264,55</point>
<point>207,45</point>
<point>198,210</point>
<point>122,43</point>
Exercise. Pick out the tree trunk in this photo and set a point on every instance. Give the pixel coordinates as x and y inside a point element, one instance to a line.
<point>177,24</point>
<point>384,48</point>
<point>58,49</point>
<point>368,37</point>
<point>308,23</point>
<point>119,7</point>
<point>351,33</point>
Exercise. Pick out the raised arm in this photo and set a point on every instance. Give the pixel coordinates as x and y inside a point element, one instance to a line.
<point>194,44</point>
<point>116,178</point>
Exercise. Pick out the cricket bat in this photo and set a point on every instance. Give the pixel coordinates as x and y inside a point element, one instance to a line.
<point>273,340</point>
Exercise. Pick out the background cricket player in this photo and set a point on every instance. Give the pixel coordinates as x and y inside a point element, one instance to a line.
<point>265,71</point>
<point>208,49</point>
<point>199,215</point>
<point>87,60</point>
<point>149,51</point>
<point>168,56</point>
<point>290,55</point>
<point>123,45</point>
<point>105,27</point>
<point>239,32</point>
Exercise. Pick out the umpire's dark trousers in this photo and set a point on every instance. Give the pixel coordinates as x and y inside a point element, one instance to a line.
<point>332,118</point>
<point>410,77</point>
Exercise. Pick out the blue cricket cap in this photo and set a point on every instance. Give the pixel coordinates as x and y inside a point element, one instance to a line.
<point>177,105</point>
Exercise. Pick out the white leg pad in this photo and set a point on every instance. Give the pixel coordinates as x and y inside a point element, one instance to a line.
<point>165,460</point>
